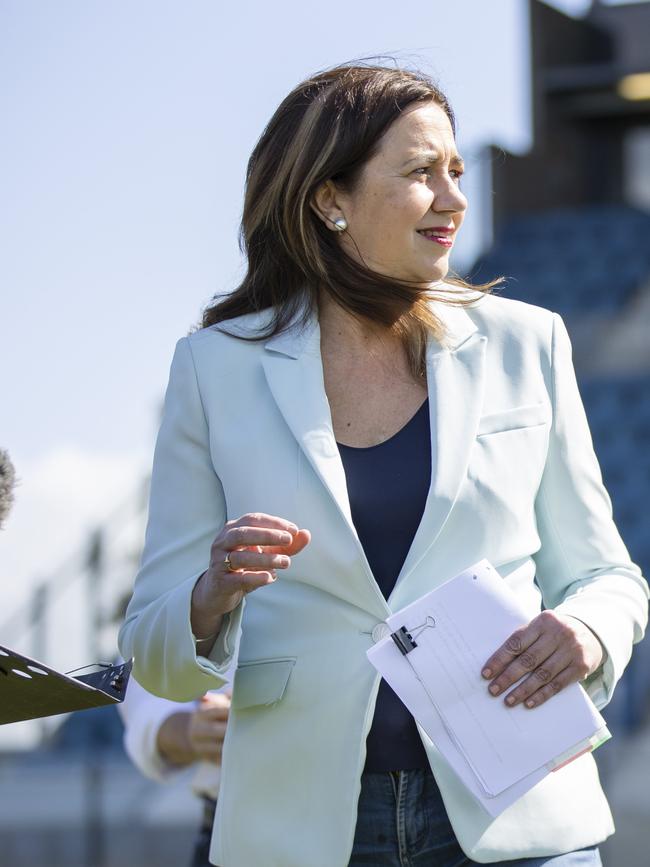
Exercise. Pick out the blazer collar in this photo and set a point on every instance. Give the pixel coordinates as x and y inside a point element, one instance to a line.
<point>299,338</point>
<point>304,337</point>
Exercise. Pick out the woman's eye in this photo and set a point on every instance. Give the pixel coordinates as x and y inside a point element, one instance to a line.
<point>456,174</point>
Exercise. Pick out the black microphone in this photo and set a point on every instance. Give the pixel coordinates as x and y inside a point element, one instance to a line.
<point>7,481</point>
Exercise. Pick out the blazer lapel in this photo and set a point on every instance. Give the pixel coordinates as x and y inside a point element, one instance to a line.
<point>455,382</point>
<point>294,373</point>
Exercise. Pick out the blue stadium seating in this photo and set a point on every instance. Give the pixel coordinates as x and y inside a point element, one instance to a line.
<point>573,261</point>
<point>619,415</point>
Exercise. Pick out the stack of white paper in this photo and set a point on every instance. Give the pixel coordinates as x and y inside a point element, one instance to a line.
<point>498,752</point>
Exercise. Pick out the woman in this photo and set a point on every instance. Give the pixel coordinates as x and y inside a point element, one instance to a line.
<point>349,429</point>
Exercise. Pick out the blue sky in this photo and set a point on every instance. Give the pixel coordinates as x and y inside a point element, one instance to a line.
<point>126,130</point>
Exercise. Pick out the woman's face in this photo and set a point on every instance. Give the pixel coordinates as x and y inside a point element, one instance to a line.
<point>407,207</point>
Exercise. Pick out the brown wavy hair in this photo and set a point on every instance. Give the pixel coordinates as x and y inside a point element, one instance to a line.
<point>328,127</point>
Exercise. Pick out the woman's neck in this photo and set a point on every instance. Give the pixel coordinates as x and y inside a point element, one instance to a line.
<point>341,329</point>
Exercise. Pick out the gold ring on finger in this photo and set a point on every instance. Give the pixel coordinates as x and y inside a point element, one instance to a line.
<point>228,564</point>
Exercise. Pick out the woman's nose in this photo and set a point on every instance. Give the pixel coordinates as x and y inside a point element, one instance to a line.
<point>448,196</point>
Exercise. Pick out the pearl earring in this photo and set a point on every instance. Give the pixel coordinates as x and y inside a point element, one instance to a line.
<point>341,224</point>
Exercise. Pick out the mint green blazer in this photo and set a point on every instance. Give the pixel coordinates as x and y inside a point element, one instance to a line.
<point>246,427</point>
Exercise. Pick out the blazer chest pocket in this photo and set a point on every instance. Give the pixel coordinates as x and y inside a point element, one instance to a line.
<point>506,466</point>
<point>261,682</point>
<point>516,418</point>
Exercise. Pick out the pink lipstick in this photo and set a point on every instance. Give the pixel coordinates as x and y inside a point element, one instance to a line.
<point>437,234</point>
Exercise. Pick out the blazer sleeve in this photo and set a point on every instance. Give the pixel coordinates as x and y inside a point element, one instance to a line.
<point>186,511</point>
<point>583,567</point>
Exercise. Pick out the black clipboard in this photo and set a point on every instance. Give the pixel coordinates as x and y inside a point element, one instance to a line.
<point>30,689</point>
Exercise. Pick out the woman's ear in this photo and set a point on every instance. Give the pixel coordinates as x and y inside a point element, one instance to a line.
<point>327,205</point>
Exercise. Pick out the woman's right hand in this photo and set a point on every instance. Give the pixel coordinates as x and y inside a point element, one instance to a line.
<point>243,557</point>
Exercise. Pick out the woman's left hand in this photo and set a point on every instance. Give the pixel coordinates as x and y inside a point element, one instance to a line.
<point>554,650</point>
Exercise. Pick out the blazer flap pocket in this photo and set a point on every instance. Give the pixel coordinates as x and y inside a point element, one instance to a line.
<point>512,419</point>
<point>261,681</point>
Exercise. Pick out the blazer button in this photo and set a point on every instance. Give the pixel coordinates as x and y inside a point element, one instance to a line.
<point>381,630</point>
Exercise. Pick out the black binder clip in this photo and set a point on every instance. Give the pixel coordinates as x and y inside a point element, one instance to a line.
<point>403,640</point>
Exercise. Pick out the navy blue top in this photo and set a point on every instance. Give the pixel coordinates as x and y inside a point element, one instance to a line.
<point>387,487</point>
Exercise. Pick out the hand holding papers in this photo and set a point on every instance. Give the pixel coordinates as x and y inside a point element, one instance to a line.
<point>433,661</point>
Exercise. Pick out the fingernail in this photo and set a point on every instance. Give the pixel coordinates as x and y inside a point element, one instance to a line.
<point>530,703</point>
<point>284,562</point>
<point>487,672</point>
<point>293,529</point>
<point>511,700</point>
<point>494,689</point>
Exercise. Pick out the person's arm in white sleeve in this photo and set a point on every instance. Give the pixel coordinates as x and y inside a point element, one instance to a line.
<point>583,567</point>
<point>186,511</point>
<point>143,715</point>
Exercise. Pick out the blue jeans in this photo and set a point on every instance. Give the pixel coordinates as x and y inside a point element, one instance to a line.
<point>402,822</point>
